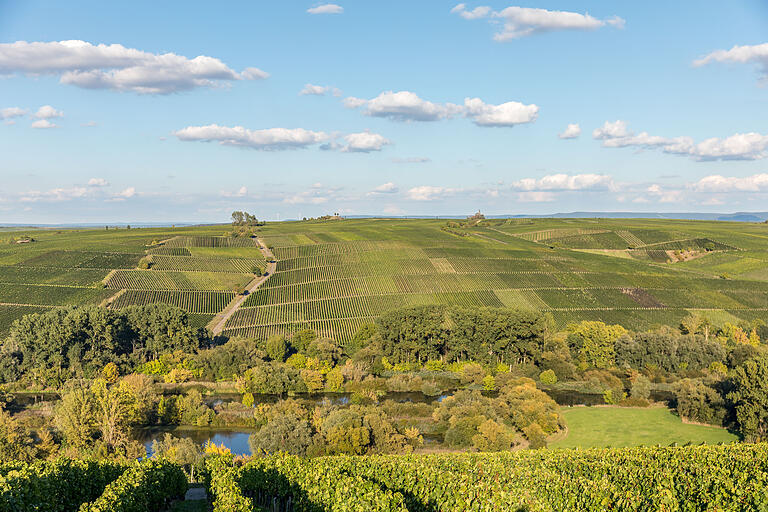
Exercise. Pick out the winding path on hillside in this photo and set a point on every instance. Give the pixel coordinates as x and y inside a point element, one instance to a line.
<point>220,320</point>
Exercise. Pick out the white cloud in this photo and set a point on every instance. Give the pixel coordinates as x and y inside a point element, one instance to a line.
<point>11,112</point>
<point>43,124</point>
<point>408,106</point>
<point>739,54</point>
<point>97,182</point>
<point>566,182</point>
<point>353,102</point>
<point>429,193</point>
<point>385,188</point>
<point>116,67</point>
<point>56,194</point>
<point>505,114</point>
<point>313,196</point>
<point>740,146</point>
<point>611,130</point>
<point>536,197</point>
<point>326,9</point>
<point>319,90</point>
<point>89,124</point>
<point>474,14</point>
<point>412,160</point>
<point>47,112</point>
<point>364,142</point>
<point>126,193</point>
<point>254,74</point>
<point>665,195</point>
<point>572,131</point>
<point>520,22</point>
<point>241,192</point>
<point>268,139</point>
<point>718,183</point>
<point>404,106</point>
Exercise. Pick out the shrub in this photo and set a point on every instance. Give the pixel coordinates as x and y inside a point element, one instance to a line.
<point>548,377</point>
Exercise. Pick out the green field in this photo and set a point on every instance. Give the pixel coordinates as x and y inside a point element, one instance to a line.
<point>618,427</point>
<point>334,276</point>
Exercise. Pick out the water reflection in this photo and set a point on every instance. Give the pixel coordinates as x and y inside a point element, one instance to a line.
<point>235,440</point>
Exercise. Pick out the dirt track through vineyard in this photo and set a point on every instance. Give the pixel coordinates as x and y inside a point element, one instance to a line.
<point>220,320</point>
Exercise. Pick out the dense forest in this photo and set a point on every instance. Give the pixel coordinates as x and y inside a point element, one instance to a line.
<point>118,371</point>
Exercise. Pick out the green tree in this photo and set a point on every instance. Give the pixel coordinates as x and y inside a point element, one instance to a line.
<point>594,343</point>
<point>334,380</point>
<point>288,432</point>
<point>698,402</point>
<point>15,441</point>
<point>641,388</point>
<point>277,348</point>
<point>749,398</point>
<point>75,417</point>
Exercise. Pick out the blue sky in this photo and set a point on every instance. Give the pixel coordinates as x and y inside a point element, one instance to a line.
<point>420,108</point>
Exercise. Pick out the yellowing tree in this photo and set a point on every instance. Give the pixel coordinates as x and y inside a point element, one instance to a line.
<point>110,373</point>
<point>594,343</point>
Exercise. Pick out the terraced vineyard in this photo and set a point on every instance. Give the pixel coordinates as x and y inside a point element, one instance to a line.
<point>335,276</point>
<point>196,269</point>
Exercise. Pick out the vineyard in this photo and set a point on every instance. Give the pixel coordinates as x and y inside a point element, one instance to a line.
<point>87,486</point>
<point>195,269</point>
<point>695,478</point>
<point>727,478</point>
<point>334,276</point>
<point>194,302</point>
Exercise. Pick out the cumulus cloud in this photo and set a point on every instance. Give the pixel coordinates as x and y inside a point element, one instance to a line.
<point>128,192</point>
<point>385,188</point>
<point>97,182</point>
<point>403,106</point>
<point>47,112</point>
<point>273,139</point>
<point>740,146</point>
<point>326,9</point>
<point>364,142</point>
<point>566,182</point>
<point>739,54</point>
<point>718,183</point>
<point>429,193</point>
<point>116,67</point>
<point>11,112</point>
<point>408,106</point>
<point>520,22</point>
<point>43,124</point>
<point>319,90</point>
<point>611,130</point>
<point>572,131</point>
<point>505,114</point>
<point>268,139</point>
<point>664,195</point>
